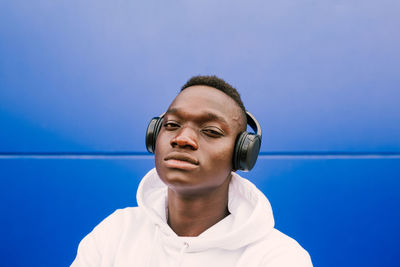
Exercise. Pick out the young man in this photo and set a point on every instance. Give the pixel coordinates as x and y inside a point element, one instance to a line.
<point>193,209</point>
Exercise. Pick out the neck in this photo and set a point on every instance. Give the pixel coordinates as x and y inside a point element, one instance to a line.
<point>190,215</point>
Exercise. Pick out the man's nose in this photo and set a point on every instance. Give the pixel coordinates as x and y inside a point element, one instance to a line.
<point>185,138</point>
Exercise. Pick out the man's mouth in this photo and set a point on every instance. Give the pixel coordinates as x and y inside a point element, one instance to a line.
<point>181,161</point>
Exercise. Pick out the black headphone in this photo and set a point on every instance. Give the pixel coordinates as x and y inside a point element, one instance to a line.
<point>247,144</point>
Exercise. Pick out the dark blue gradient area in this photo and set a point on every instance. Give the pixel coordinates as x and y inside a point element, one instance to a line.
<point>343,211</point>
<point>80,80</point>
<point>49,205</point>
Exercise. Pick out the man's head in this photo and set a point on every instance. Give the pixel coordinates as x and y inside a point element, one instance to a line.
<point>220,84</point>
<point>196,142</point>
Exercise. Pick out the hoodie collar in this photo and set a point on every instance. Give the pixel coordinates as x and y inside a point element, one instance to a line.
<point>248,206</point>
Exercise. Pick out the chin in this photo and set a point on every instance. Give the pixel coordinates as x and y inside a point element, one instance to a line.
<point>177,180</point>
<point>175,177</point>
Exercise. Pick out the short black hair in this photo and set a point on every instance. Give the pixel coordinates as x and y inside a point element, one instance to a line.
<point>217,83</point>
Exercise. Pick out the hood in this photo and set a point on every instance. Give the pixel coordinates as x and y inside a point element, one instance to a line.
<point>248,206</point>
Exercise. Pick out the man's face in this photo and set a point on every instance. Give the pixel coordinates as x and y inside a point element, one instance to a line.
<point>195,145</point>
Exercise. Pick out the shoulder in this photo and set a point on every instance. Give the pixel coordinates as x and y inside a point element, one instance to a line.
<point>121,215</point>
<point>282,250</point>
<point>117,221</point>
<point>118,217</point>
<point>105,236</point>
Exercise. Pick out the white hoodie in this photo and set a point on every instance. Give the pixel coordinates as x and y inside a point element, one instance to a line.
<point>140,236</point>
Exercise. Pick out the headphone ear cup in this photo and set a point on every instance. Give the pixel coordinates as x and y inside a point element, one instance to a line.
<point>152,132</point>
<point>246,151</point>
<point>238,151</point>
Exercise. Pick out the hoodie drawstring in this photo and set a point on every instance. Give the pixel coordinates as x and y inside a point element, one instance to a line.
<point>183,249</point>
<point>153,244</point>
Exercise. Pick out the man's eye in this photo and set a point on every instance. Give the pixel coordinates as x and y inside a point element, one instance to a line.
<point>212,133</point>
<point>171,125</point>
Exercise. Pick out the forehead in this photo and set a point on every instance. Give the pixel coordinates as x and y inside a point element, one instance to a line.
<point>205,99</point>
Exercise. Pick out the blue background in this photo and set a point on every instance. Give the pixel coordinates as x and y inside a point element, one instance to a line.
<point>80,80</point>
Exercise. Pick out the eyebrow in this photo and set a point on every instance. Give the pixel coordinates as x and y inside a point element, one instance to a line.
<point>206,116</point>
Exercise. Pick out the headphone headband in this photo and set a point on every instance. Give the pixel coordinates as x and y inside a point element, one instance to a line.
<point>252,121</point>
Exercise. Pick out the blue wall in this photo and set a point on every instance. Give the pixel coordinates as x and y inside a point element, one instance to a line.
<point>79,81</point>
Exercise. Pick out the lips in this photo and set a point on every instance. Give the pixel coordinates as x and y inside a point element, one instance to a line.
<point>181,161</point>
<point>182,157</point>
